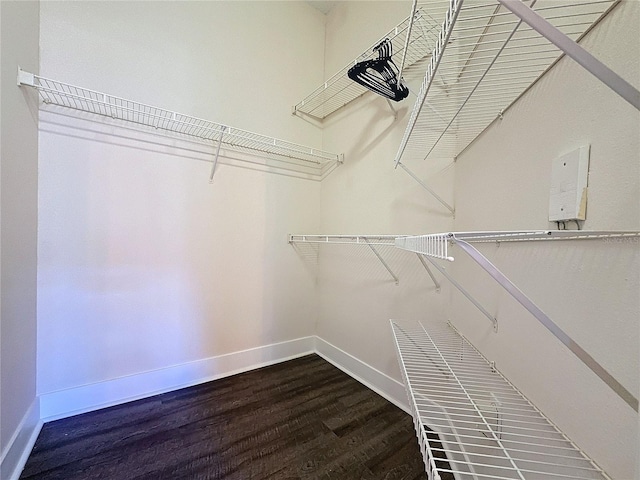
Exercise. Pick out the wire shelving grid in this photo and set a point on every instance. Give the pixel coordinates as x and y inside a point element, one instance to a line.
<point>345,239</point>
<point>484,60</point>
<point>79,98</point>
<point>471,422</point>
<point>436,245</point>
<point>339,90</point>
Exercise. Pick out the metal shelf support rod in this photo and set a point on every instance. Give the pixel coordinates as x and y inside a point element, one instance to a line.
<point>575,51</point>
<point>426,267</point>
<point>414,7</point>
<point>462,290</point>
<point>373,249</point>
<point>428,189</point>
<point>215,159</point>
<point>542,317</point>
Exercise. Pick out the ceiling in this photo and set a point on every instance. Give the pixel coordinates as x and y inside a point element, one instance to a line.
<point>323,5</point>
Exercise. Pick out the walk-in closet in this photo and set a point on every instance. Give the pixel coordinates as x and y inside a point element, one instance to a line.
<point>320,239</point>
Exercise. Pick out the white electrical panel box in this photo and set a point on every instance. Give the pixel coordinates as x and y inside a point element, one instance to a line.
<point>569,174</point>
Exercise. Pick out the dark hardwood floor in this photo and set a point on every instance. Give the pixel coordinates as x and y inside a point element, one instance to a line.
<point>301,419</point>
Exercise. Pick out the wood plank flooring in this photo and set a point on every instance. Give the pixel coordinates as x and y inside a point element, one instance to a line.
<point>301,419</point>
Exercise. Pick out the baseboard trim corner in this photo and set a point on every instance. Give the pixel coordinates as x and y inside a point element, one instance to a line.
<point>19,448</point>
<point>86,398</point>
<point>370,377</point>
<point>65,403</point>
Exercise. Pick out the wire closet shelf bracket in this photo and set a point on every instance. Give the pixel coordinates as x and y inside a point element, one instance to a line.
<point>79,98</point>
<point>488,54</point>
<point>371,241</point>
<point>436,246</point>
<point>471,422</point>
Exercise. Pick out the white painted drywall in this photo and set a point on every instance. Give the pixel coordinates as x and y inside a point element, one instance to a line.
<point>590,288</point>
<point>19,193</point>
<point>366,195</point>
<point>501,182</point>
<point>144,265</point>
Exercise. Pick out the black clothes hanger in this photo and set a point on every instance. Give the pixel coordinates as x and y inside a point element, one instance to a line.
<point>380,75</point>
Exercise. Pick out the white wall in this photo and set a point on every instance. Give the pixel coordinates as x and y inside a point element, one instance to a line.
<point>589,288</point>
<point>366,195</point>
<point>143,265</point>
<point>501,182</point>
<point>19,193</point>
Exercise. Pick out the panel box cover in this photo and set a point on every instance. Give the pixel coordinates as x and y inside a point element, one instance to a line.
<point>569,175</point>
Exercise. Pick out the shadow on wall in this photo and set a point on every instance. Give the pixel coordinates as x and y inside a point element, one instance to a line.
<point>372,113</point>
<point>357,266</point>
<point>309,253</point>
<point>365,145</point>
<point>97,128</point>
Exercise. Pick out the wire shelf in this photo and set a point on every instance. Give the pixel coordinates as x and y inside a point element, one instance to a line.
<point>432,246</point>
<point>435,245</point>
<point>467,412</point>
<point>345,239</point>
<point>80,98</point>
<point>371,241</point>
<point>340,90</point>
<point>484,60</point>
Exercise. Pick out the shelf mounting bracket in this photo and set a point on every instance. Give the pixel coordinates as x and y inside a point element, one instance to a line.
<point>395,112</point>
<point>428,189</point>
<point>542,317</point>
<point>426,267</point>
<point>25,78</point>
<point>462,290</point>
<point>215,159</point>
<point>373,249</point>
<point>573,50</point>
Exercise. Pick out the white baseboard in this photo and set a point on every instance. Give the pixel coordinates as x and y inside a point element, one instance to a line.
<point>19,447</point>
<point>86,398</point>
<point>379,382</point>
<point>73,401</point>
